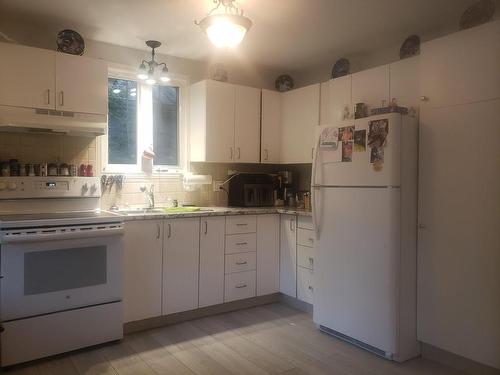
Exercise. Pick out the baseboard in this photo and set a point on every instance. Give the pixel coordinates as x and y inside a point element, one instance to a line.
<point>160,321</point>
<point>457,362</point>
<point>296,303</point>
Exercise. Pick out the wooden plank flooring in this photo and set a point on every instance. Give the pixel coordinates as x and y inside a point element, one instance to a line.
<point>270,339</point>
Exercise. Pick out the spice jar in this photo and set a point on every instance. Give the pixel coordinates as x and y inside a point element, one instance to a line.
<point>64,170</point>
<point>5,169</point>
<point>52,169</point>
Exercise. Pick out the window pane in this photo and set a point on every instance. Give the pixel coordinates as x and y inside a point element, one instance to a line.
<point>122,121</point>
<point>165,129</point>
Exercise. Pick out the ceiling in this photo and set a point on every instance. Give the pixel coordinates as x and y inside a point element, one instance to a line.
<point>286,34</point>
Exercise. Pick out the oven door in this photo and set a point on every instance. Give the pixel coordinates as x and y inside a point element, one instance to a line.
<point>47,275</point>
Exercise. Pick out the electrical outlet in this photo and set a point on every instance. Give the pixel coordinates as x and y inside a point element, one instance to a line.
<point>218,185</point>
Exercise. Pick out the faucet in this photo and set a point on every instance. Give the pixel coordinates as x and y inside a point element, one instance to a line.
<point>150,194</point>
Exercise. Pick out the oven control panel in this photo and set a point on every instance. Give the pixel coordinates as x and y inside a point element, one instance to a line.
<point>49,187</point>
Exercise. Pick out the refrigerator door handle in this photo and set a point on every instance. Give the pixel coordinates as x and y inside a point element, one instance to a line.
<point>314,185</point>
<point>315,191</point>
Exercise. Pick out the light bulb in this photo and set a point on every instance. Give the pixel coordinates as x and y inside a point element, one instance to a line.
<point>224,33</point>
<point>165,79</point>
<point>143,74</point>
<point>163,76</point>
<point>150,81</point>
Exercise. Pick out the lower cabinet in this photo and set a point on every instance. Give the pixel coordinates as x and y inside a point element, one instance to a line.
<point>305,287</point>
<point>181,255</point>
<point>142,274</point>
<point>211,283</point>
<point>288,255</point>
<point>268,254</point>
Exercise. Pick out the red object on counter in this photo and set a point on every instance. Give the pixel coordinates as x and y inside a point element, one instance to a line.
<point>89,172</point>
<point>82,172</point>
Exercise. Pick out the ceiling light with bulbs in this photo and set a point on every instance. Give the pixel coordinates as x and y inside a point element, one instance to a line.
<point>225,25</point>
<point>151,70</point>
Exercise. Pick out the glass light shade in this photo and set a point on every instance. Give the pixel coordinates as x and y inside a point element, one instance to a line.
<point>163,76</point>
<point>142,76</point>
<point>165,79</point>
<point>143,73</point>
<point>150,81</point>
<point>225,30</point>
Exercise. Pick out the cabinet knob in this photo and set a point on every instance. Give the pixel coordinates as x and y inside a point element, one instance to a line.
<point>424,98</point>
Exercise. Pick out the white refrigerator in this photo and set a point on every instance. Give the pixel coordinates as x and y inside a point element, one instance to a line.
<point>364,191</point>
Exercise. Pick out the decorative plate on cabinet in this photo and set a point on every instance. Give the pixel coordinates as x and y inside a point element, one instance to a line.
<point>283,83</point>
<point>341,68</point>
<point>478,13</point>
<point>69,41</point>
<point>410,47</point>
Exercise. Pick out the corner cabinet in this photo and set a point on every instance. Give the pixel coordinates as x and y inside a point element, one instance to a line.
<point>225,123</point>
<point>300,116</point>
<point>39,78</point>
<point>271,127</point>
<point>181,254</point>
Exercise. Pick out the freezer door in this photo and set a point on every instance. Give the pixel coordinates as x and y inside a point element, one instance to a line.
<point>330,165</point>
<point>357,263</point>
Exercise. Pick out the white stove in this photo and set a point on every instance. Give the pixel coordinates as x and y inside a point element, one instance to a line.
<point>61,263</point>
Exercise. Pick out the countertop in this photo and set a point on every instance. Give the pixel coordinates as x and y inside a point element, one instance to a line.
<point>214,211</point>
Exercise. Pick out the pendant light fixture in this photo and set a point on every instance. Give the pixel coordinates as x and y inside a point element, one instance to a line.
<point>225,25</point>
<point>150,70</point>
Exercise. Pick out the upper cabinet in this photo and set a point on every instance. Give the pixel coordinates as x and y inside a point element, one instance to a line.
<point>452,74</point>
<point>300,116</point>
<point>271,127</point>
<point>27,76</point>
<point>225,122</point>
<point>39,78</point>
<point>81,84</point>
<point>247,124</point>
<point>404,82</point>
<point>371,87</point>
<point>335,98</point>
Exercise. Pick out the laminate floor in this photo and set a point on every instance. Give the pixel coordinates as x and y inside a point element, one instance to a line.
<point>269,339</point>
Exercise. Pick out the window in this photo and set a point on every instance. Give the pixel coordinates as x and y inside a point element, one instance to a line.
<point>140,117</point>
<point>122,121</point>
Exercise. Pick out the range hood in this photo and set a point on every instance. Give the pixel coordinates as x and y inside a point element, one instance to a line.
<point>47,121</point>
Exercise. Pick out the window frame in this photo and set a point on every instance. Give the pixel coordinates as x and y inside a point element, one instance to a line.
<point>182,145</point>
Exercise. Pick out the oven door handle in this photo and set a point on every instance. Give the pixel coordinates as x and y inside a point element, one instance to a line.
<point>59,235</point>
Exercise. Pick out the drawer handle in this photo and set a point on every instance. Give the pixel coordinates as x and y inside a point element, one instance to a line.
<point>311,239</point>
<point>241,243</point>
<point>241,286</point>
<point>311,260</point>
<point>241,263</point>
<point>311,288</point>
<point>241,224</point>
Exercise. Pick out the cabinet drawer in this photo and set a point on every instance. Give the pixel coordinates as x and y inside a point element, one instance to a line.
<point>239,286</point>
<point>241,243</point>
<point>305,288</point>
<point>305,257</point>
<point>305,222</point>
<point>305,237</point>
<point>240,262</point>
<point>241,224</point>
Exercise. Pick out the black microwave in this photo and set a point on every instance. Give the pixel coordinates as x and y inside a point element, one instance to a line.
<point>251,190</point>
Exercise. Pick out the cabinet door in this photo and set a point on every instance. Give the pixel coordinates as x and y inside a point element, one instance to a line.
<point>220,122</point>
<point>27,76</point>
<point>271,127</point>
<point>288,255</point>
<point>181,254</point>
<point>461,67</point>
<point>268,259</point>
<point>247,124</point>
<point>300,116</point>
<point>405,82</point>
<point>142,272</point>
<point>458,242</point>
<point>371,87</point>
<point>81,84</point>
<point>335,97</point>
<point>211,285</point>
